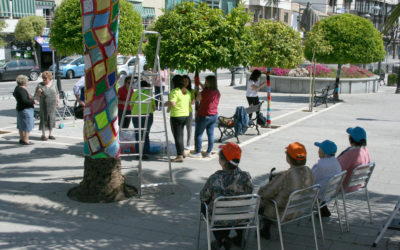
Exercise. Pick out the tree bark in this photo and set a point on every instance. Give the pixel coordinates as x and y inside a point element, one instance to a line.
<point>336,92</point>
<point>102,182</point>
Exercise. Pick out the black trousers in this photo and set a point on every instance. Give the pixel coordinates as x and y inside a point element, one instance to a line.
<point>127,120</point>
<point>253,101</point>
<point>177,125</point>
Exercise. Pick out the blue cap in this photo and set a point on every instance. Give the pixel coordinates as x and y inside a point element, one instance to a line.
<point>327,146</point>
<point>357,133</point>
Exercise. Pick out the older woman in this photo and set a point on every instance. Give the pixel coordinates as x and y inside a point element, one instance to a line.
<point>25,104</point>
<point>228,181</point>
<point>49,99</point>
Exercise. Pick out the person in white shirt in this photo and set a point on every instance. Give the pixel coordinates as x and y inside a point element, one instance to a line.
<point>325,168</point>
<point>253,87</point>
<point>79,85</point>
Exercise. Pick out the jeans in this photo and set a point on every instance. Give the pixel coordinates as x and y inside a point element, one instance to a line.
<point>127,120</point>
<point>135,121</point>
<point>157,90</point>
<point>205,122</point>
<point>177,126</point>
<point>253,101</point>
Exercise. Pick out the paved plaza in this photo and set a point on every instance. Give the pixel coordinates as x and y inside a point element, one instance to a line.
<point>35,212</point>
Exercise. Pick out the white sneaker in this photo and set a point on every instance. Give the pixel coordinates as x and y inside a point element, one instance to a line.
<point>195,155</point>
<point>189,147</point>
<point>207,155</point>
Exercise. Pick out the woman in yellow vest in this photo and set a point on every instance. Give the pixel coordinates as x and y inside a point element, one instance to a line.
<point>145,101</point>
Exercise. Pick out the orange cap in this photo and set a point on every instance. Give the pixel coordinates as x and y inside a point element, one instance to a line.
<point>232,151</point>
<point>297,151</point>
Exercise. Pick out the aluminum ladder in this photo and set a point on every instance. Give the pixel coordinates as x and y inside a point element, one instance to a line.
<point>151,77</point>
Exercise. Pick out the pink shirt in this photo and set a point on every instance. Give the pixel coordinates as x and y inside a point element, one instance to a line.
<point>164,74</point>
<point>351,159</point>
<point>209,102</point>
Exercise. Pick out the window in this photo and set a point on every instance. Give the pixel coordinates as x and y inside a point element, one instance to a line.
<point>213,4</point>
<point>48,16</point>
<point>286,17</point>
<point>12,64</point>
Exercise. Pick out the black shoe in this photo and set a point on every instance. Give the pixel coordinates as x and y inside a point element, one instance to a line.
<point>26,143</point>
<point>144,157</point>
<point>325,211</point>
<point>20,141</point>
<point>265,233</point>
<point>227,243</point>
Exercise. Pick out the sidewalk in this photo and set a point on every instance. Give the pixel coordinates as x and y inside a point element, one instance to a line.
<point>35,212</point>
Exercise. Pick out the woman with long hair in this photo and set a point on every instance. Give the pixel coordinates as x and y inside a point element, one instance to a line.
<point>253,87</point>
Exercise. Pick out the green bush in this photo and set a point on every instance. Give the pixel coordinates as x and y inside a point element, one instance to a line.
<point>376,71</point>
<point>392,79</point>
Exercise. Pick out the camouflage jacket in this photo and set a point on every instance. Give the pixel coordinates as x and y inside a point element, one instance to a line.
<point>226,183</point>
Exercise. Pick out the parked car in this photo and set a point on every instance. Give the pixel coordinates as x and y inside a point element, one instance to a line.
<point>125,64</point>
<point>71,66</point>
<point>16,67</point>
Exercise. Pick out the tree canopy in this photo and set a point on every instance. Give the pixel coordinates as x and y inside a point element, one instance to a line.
<point>66,30</point>
<point>196,37</point>
<point>29,27</point>
<point>275,44</point>
<point>353,39</point>
<point>2,26</point>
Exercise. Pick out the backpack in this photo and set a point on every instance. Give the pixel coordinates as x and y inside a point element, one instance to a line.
<point>261,120</point>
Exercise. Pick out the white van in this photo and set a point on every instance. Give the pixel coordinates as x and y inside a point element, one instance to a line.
<point>125,64</point>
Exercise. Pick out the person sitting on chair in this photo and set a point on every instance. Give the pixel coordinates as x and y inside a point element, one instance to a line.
<point>229,181</point>
<point>325,168</point>
<point>355,155</point>
<point>279,188</point>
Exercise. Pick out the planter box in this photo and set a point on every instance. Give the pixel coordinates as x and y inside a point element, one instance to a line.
<point>301,85</point>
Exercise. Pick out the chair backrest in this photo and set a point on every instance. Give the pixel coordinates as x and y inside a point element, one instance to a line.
<point>301,202</point>
<point>360,176</point>
<point>241,209</point>
<point>333,187</point>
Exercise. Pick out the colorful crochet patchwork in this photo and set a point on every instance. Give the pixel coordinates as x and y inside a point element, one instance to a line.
<point>100,32</point>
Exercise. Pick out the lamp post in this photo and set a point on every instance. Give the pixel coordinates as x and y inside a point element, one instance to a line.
<point>57,69</point>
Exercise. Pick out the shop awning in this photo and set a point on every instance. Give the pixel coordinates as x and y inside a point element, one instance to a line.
<point>23,8</point>
<point>44,42</point>
<point>5,10</point>
<point>146,12</point>
<point>45,3</point>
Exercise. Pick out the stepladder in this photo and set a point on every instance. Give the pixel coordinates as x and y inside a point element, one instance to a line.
<point>391,223</point>
<point>142,107</point>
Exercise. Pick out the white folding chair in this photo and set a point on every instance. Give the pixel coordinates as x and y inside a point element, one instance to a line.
<point>232,212</point>
<point>359,179</point>
<point>331,192</point>
<point>300,205</point>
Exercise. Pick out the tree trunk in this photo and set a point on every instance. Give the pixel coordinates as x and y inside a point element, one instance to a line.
<point>233,77</point>
<point>268,125</point>
<point>336,92</point>
<point>102,182</point>
<point>35,54</point>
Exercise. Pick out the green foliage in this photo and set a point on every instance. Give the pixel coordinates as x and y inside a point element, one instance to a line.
<point>2,26</point>
<point>275,45</point>
<point>66,30</point>
<point>130,29</point>
<point>376,71</point>
<point>392,79</point>
<point>29,27</point>
<point>316,43</point>
<point>353,40</point>
<point>196,37</point>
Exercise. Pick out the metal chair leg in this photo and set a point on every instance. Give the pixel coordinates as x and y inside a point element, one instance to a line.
<point>208,236</point>
<point>320,222</point>
<point>258,235</point>
<point>198,233</point>
<point>369,206</point>
<point>345,211</point>
<point>338,212</point>
<point>315,232</point>
<point>280,234</point>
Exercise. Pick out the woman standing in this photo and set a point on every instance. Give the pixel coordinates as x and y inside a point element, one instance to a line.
<point>25,109</point>
<point>122,96</point>
<point>252,89</point>
<point>49,99</point>
<point>208,115</point>
<point>188,85</point>
<point>179,102</point>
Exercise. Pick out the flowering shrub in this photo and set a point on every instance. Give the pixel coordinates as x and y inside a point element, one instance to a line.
<point>355,72</point>
<point>274,71</point>
<point>320,70</point>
